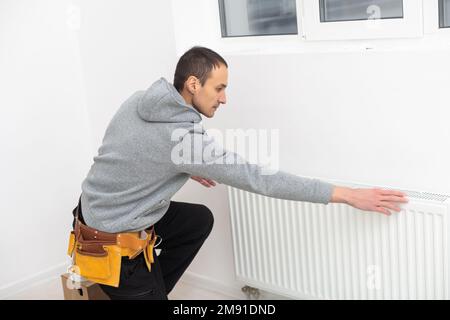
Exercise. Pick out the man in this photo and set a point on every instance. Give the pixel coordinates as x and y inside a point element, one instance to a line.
<point>140,167</point>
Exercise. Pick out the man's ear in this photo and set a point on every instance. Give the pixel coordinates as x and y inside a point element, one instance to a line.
<point>192,84</point>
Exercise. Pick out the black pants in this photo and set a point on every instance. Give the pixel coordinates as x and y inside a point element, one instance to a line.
<point>183,229</point>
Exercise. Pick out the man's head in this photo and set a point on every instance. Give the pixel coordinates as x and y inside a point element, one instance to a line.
<point>201,77</point>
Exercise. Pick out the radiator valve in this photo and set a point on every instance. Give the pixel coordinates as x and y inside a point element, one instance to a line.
<point>251,292</point>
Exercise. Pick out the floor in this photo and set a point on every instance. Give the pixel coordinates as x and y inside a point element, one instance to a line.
<point>52,290</point>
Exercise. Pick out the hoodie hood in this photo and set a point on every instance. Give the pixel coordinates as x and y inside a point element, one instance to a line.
<point>163,103</point>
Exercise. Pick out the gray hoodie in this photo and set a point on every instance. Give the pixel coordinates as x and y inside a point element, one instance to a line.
<point>135,174</point>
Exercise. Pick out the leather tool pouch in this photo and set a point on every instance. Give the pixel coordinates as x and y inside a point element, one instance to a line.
<point>96,255</point>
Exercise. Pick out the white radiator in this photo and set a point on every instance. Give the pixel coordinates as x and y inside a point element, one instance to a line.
<point>314,251</point>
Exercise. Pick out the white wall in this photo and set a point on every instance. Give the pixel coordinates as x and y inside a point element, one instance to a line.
<point>44,138</point>
<point>125,47</point>
<point>374,117</point>
<point>379,118</point>
<point>65,68</point>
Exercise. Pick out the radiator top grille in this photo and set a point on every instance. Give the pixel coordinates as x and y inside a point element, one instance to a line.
<point>440,197</point>
<point>424,195</point>
<point>420,195</point>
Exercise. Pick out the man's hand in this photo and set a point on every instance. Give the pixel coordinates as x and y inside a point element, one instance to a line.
<point>206,182</point>
<point>377,200</point>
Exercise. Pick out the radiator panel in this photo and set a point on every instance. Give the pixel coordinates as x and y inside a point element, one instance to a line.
<point>334,251</point>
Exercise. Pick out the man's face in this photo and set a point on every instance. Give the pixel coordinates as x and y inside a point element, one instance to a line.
<point>207,98</point>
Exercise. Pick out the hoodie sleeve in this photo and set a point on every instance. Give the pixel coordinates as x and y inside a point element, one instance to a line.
<point>198,154</point>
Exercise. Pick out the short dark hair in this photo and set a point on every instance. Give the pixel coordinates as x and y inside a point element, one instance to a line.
<point>198,62</point>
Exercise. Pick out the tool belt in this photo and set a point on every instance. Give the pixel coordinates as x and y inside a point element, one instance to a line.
<point>97,256</point>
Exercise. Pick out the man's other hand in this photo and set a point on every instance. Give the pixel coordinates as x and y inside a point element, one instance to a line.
<point>377,200</point>
<point>206,182</point>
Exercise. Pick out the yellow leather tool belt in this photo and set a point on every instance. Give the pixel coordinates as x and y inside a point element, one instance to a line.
<point>97,256</point>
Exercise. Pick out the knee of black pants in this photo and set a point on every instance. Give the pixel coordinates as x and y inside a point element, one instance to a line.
<point>206,219</point>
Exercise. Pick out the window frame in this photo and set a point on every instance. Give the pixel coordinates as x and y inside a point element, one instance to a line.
<point>322,15</point>
<point>256,43</point>
<point>431,18</point>
<point>306,41</point>
<point>222,18</point>
<point>410,26</point>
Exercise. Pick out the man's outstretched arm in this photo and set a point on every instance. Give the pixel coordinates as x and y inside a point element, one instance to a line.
<point>231,169</point>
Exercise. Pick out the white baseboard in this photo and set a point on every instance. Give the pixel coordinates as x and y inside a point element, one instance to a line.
<point>16,288</point>
<point>12,289</point>
<point>209,284</point>
<point>233,290</point>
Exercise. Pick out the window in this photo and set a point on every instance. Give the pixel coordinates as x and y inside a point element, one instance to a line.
<point>351,10</point>
<point>444,13</point>
<point>257,17</point>
<point>362,19</point>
